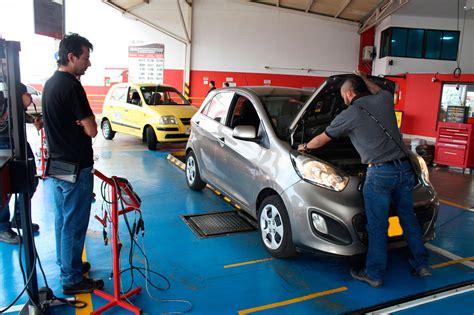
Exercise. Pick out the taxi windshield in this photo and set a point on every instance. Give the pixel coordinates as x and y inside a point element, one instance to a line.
<point>162,95</point>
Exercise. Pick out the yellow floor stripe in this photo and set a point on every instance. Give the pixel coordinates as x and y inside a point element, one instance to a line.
<point>292,301</point>
<point>455,204</point>
<point>86,297</point>
<point>248,262</point>
<point>452,262</point>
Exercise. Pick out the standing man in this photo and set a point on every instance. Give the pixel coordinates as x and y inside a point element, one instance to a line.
<point>7,235</point>
<point>70,126</point>
<point>212,86</point>
<point>389,175</point>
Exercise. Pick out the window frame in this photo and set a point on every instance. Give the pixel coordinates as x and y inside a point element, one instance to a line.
<point>386,39</point>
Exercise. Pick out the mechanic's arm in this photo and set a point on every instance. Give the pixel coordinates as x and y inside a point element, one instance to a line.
<point>373,88</point>
<point>315,143</point>
<point>90,126</point>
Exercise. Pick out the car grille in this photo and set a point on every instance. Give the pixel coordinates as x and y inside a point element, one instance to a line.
<point>168,129</point>
<point>177,136</point>
<point>185,121</point>
<point>423,216</point>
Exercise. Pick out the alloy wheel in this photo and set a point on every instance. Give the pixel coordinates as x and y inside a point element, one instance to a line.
<point>271,227</point>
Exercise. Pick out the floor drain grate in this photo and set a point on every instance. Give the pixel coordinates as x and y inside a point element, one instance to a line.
<point>217,223</point>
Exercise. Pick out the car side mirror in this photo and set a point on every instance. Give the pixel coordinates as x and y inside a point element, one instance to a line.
<point>248,133</point>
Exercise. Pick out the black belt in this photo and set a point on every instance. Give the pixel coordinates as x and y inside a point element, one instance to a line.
<point>397,161</point>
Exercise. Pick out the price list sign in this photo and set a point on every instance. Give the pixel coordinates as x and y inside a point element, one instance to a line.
<point>146,63</point>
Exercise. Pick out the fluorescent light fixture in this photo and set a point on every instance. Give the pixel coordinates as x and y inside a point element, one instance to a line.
<point>447,37</point>
<point>393,40</point>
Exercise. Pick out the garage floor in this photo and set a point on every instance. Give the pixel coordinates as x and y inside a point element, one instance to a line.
<point>233,274</point>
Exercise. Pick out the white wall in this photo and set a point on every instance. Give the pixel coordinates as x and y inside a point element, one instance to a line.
<point>227,35</point>
<point>414,65</point>
<point>106,29</point>
<point>235,36</point>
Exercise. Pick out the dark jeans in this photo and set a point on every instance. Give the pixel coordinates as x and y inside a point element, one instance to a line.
<point>72,206</point>
<point>385,184</point>
<point>5,212</point>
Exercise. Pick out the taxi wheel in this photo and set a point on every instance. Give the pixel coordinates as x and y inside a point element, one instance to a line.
<point>151,138</point>
<point>275,229</point>
<point>193,178</point>
<point>107,131</point>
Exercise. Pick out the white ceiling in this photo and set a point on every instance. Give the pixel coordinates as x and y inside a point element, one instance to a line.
<point>436,8</point>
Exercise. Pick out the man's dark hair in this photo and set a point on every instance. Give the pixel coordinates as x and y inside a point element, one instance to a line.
<point>213,83</point>
<point>357,83</point>
<point>72,43</point>
<point>22,88</point>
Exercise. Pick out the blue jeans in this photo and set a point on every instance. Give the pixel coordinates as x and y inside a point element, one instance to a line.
<point>72,208</point>
<point>385,184</point>
<point>5,224</point>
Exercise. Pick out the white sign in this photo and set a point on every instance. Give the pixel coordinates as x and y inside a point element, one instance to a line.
<point>146,63</point>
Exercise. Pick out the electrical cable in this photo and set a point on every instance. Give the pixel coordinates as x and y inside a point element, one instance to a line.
<point>457,71</point>
<point>133,230</point>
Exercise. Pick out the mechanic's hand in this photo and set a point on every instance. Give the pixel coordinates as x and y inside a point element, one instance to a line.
<point>302,147</point>
<point>361,74</point>
<point>38,122</point>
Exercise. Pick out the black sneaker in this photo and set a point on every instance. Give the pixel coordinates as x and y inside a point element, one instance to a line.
<point>9,237</point>
<point>34,226</point>
<point>85,286</point>
<point>422,272</point>
<point>86,267</point>
<point>361,275</point>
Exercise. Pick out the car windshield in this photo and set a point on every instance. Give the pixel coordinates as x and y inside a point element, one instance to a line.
<point>162,95</point>
<point>282,109</point>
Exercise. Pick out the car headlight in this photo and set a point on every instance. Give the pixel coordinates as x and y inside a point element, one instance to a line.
<point>168,120</point>
<point>425,174</point>
<point>318,172</point>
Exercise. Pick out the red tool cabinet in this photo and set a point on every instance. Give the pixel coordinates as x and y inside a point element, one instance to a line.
<point>455,145</point>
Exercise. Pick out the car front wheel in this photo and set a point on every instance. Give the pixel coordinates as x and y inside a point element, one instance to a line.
<point>275,229</point>
<point>107,131</point>
<point>193,178</point>
<point>151,138</point>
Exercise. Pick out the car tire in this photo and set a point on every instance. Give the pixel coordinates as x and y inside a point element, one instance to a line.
<point>193,178</point>
<point>107,131</point>
<point>275,228</point>
<point>151,138</point>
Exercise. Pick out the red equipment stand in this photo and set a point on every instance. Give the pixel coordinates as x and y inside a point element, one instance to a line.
<point>43,155</point>
<point>116,299</point>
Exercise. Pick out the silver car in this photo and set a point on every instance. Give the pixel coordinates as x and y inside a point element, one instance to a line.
<point>243,143</point>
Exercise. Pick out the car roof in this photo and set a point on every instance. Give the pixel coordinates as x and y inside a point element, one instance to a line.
<point>143,85</point>
<point>270,90</point>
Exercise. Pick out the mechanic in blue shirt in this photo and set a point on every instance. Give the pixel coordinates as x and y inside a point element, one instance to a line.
<point>389,175</point>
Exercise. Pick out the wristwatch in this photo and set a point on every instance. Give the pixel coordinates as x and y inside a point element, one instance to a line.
<point>305,147</point>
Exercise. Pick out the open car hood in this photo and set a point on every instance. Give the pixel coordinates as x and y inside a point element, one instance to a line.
<point>327,101</point>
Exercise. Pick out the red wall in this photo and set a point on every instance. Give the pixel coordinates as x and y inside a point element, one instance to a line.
<point>199,89</point>
<point>421,102</point>
<point>366,39</point>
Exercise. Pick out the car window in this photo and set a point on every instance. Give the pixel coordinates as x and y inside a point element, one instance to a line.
<point>163,95</point>
<point>119,94</point>
<point>133,97</point>
<point>283,109</point>
<point>31,90</point>
<point>217,108</point>
<point>244,114</point>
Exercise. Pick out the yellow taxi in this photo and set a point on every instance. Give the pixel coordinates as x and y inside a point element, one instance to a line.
<point>156,113</point>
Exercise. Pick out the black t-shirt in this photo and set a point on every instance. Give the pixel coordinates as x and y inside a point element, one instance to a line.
<point>64,102</point>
